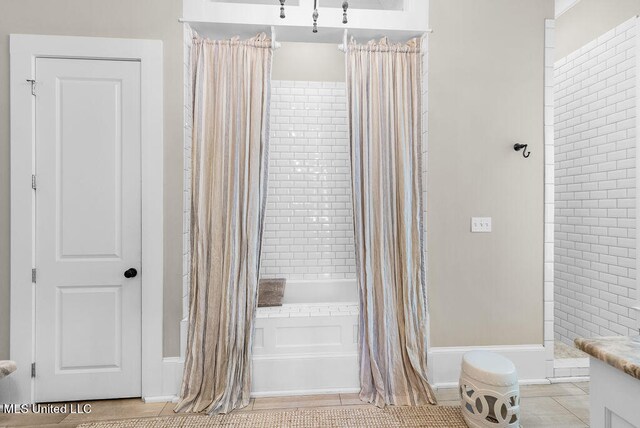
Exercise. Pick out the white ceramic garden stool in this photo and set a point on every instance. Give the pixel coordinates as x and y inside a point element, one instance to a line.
<point>489,392</point>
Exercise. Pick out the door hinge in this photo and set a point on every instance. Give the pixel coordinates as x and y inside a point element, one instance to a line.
<point>33,181</point>
<point>33,369</point>
<point>33,86</point>
<point>33,275</point>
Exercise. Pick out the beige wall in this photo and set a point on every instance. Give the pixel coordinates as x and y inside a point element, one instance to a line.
<point>317,62</point>
<point>589,19</point>
<point>148,19</point>
<point>486,92</point>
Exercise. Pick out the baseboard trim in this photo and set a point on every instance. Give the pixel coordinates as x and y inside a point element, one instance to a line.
<point>305,392</point>
<point>260,358</point>
<point>561,363</point>
<point>521,382</point>
<point>569,379</point>
<point>530,362</point>
<point>172,368</point>
<point>571,368</point>
<point>161,399</point>
<point>444,372</point>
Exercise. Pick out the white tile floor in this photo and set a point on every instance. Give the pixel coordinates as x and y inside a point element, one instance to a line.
<point>563,405</point>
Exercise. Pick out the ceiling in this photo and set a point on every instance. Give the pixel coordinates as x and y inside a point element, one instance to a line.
<point>355,4</point>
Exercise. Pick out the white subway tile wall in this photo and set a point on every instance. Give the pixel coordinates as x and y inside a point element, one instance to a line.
<point>549,194</point>
<point>595,191</point>
<point>309,222</point>
<point>425,150</point>
<point>186,217</point>
<point>308,310</point>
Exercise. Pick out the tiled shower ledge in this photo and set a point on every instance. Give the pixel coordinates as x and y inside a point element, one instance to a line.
<point>308,310</point>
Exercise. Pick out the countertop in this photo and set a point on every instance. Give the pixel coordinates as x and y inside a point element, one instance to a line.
<point>621,352</point>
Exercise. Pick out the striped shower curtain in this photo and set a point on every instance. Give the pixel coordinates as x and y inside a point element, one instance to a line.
<point>231,87</point>
<point>384,94</point>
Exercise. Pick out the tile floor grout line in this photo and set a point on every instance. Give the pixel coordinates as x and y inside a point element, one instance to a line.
<point>569,410</point>
<point>586,392</point>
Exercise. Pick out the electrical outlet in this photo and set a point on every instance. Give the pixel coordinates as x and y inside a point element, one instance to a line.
<point>480,224</point>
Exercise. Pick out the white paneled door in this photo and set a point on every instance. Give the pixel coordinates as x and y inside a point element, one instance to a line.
<point>88,229</point>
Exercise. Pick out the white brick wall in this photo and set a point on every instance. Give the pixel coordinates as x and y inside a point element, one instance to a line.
<point>549,194</point>
<point>308,310</point>
<point>309,222</point>
<point>595,130</point>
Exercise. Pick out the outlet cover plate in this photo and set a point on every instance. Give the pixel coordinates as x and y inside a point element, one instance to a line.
<point>481,224</point>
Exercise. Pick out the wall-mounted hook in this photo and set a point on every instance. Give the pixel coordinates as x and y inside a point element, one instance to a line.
<point>517,147</point>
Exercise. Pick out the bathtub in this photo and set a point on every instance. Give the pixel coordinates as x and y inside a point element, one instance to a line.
<point>309,344</point>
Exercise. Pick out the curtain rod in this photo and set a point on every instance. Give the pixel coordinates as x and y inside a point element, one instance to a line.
<point>277,45</point>
<point>343,47</point>
<point>274,43</point>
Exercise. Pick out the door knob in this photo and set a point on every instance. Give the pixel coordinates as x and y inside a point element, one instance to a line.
<point>130,273</point>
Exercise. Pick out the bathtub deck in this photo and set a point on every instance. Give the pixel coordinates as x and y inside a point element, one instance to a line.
<point>308,310</point>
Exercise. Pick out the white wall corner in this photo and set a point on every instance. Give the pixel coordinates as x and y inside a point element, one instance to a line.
<point>187,144</point>
<point>563,6</point>
<point>171,378</point>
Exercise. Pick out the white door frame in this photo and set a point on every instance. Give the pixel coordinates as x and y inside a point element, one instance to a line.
<point>24,49</point>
